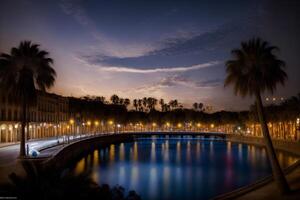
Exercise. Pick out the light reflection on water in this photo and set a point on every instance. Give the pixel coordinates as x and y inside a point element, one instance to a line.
<point>179,168</point>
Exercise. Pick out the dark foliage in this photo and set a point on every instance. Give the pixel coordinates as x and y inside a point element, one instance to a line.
<point>49,184</point>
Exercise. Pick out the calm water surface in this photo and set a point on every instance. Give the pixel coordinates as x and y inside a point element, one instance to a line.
<point>178,168</point>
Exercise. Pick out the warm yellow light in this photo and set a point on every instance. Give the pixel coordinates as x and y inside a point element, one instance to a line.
<point>96,123</point>
<point>110,122</point>
<point>168,124</point>
<point>68,127</point>
<point>153,124</point>
<point>212,126</point>
<point>89,123</point>
<point>179,125</point>
<point>71,121</point>
<point>198,125</point>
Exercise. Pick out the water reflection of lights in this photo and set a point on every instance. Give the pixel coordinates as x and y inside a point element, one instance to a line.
<point>188,151</point>
<point>166,180</point>
<point>211,149</point>
<point>165,152</point>
<point>112,153</point>
<point>178,152</point>
<point>122,175</point>
<point>240,150</point>
<point>153,152</point>
<point>80,166</point>
<point>153,182</point>
<point>122,152</point>
<point>135,151</point>
<point>96,158</point>
<point>198,149</point>
<point>134,177</point>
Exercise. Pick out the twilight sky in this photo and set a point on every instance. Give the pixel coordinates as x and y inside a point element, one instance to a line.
<point>165,49</point>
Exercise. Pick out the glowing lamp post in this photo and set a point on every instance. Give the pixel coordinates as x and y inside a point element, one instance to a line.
<point>153,126</point>
<point>179,125</point>
<point>72,128</point>
<point>168,126</point>
<point>110,123</point>
<point>96,125</point>
<point>89,123</point>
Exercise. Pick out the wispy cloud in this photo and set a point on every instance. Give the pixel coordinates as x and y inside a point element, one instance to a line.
<point>177,80</point>
<point>109,47</point>
<point>153,70</point>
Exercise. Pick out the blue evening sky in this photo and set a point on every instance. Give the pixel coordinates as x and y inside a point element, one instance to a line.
<point>165,49</point>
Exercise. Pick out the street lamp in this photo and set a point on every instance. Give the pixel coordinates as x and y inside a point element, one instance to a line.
<point>179,125</point>
<point>153,125</point>
<point>96,123</point>
<point>72,123</point>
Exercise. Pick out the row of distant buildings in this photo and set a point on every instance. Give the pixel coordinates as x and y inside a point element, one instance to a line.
<point>54,115</point>
<point>49,117</point>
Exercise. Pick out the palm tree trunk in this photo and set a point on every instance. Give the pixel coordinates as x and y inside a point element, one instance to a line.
<point>23,125</point>
<point>277,172</point>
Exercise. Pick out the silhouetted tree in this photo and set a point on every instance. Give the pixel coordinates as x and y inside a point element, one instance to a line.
<point>195,106</point>
<point>24,70</point>
<point>253,70</point>
<point>135,104</point>
<point>115,99</point>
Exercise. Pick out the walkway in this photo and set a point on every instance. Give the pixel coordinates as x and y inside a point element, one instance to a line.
<point>270,190</point>
<point>9,152</point>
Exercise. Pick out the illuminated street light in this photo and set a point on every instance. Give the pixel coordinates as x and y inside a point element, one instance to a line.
<point>179,125</point>
<point>89,123</point>
<point>212,126</point>
<point>110,122</point>
<point>118,125</point>
<point>198,125</point>
<point>71,121</point>
<point>154,124</point>
<point>96,123</point>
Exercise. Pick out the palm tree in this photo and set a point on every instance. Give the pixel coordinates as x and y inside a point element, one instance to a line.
<point>114,99</point>
<point>135,104</point>
<point>254,70</point>
<point>126,102</point>
<point>162,103</point>
<point>195,106</point>
<point>200,106</point>
<point>22,72</point>
<point>140,104</point>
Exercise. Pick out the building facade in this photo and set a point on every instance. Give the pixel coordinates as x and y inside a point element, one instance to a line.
<point>49,117</point>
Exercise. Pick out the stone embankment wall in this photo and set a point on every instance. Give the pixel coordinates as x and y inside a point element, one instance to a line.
<point>285,145</point>
<point>72,151</point>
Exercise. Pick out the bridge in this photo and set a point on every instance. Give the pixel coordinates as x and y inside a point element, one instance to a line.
<point>177,134</point>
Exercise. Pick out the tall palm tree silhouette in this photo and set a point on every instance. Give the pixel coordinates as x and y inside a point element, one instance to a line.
<point>24,70</point>
<point>253,70</point>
